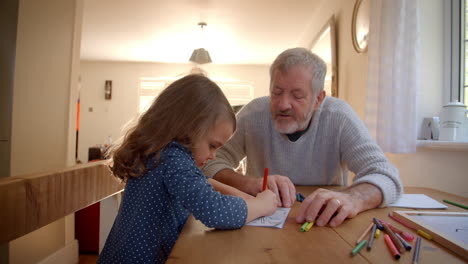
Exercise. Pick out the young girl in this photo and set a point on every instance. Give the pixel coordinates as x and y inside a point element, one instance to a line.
<point>160,159</point>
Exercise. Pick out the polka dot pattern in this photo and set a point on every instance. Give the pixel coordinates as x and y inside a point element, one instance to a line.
<point>155,208</point>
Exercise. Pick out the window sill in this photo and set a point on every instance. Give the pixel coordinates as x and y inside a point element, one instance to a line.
<point>443,145</point>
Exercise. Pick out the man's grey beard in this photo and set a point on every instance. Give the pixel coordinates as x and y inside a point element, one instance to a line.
<point>295,126</point>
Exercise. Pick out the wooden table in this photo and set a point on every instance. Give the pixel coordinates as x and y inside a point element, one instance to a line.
<point>199,244</point>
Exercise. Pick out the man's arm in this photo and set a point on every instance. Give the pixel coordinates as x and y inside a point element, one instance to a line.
<point>229,190</point>
<point>246,184</point>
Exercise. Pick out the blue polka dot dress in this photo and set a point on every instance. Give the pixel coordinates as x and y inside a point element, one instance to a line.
<point>155,207</point>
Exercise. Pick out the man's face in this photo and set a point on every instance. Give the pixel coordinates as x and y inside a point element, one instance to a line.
<point>292,100</point>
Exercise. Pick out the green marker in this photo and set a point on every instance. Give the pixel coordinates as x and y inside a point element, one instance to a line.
<point>456,204</point>
<point>304,226</point>
<point>358,247</point>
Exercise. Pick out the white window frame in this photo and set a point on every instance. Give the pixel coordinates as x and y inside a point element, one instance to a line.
<point>455,51</point>
<point>237,92</point>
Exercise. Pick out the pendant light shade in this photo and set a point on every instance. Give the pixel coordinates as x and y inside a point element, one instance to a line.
<point>201,55</point>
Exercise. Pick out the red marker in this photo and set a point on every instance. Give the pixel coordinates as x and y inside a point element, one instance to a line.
<point>393,250</point>
<point>407,236</point>
<point>265,179</point>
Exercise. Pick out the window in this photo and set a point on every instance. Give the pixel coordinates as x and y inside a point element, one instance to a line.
<point>459,47</point>
<point>237,92</point>
<point>464,72</point>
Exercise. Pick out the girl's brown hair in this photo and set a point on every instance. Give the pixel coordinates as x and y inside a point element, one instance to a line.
<point>184,112</point>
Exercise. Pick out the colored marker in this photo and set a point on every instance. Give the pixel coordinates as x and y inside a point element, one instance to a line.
<point>407,236</point>
<point>265,179</point>
<point>419,231</point>
<point>371,238</point>
<point>400,221</point>
<point>379,225</point>
<point>403,241</point>
<point>424,234</point>
<point>299,197</point>
<point>358,248</point>
<point>456,204</point>
<point>303,227</point>
<point>309,226</point>
<point>364,233</point>
<point>377,233</point>
<point>395,239</point>
<point>391,247</point>
<point>416,251</point>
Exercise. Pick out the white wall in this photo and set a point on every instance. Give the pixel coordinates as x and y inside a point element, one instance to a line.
<point>109,116</point>
<point>46,46</point>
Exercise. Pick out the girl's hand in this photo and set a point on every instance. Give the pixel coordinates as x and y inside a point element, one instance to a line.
<point>268,201</point>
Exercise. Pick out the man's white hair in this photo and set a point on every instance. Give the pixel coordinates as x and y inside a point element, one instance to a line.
<point>304,57</point>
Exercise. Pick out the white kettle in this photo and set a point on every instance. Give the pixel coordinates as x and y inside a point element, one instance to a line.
<point>453,122</point>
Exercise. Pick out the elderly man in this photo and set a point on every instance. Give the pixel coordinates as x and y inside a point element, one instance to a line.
<point>306,138</point>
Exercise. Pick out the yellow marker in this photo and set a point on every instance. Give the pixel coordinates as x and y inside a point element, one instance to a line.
<point>424,234</point>
<point>377,233</point>
<point>306,226</point>
<point>309,226</point>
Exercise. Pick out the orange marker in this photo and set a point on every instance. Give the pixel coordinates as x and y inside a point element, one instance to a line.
<point>265,179</point>
<point>391,247</point>
<point>365,232</point>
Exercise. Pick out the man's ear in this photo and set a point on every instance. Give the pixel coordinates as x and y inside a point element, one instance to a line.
<point>320,98</point>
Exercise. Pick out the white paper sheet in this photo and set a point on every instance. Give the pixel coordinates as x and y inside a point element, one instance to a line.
<point>421,201</point>
<point>275,220</point>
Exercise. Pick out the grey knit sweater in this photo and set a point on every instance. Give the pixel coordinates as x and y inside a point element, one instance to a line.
<point>335,141</point>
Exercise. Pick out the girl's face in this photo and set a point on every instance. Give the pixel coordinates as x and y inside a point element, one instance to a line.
<point>205,149</point>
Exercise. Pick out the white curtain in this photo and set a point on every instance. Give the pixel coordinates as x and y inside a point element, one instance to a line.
<point>393,74</point>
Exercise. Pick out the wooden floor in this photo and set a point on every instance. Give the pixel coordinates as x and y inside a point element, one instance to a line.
<point>88,258</point>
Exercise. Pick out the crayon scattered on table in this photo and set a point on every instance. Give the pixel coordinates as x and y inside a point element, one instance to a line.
<point>371,238</point>
<point>358,247</point>
<point>424,234</point>
<point>403,241</point>
<point>456,204</point>
<point>364,233</point>
<point>395,239</point>
<point>391,247</point>
<point>416,251</point>
<point>407,236</point>
<point>377,233</point>
<point>307,226</point>
<point>379,225</point>
<point>299,197</point>
<point>419,231</point>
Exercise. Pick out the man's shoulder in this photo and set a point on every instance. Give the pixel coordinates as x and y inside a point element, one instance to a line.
<point>333,105</point>
<point>256,107</point>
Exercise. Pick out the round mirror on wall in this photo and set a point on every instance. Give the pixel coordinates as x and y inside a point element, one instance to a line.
<point>360,25</point>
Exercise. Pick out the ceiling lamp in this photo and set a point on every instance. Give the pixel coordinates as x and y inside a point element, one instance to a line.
<point>200,55</point>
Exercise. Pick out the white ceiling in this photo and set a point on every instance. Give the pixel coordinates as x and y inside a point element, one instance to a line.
<point>238,31</point>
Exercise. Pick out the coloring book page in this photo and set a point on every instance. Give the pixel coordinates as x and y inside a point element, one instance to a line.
<point>275,220</point>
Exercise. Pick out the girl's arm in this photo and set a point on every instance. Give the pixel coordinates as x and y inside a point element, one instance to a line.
<point>229,190</point>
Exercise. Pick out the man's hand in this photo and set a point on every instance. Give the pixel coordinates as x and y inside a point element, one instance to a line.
<point>282,187</point>
<point>326,206</point>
